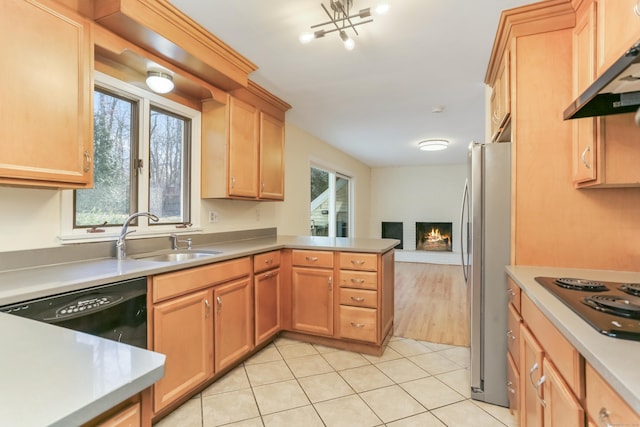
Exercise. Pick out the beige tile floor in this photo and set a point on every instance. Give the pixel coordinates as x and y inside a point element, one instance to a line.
<point>290,383</point>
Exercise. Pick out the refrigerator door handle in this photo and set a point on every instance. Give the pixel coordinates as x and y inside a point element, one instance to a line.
<point>463,248</point>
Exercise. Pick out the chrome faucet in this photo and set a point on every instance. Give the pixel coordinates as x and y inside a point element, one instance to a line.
<point>121,245</point>
<point>175,242</point>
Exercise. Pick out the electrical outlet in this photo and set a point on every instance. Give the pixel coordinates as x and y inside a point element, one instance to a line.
<point>213,216</point>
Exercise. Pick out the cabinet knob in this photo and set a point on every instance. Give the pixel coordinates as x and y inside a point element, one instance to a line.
<point>583,156</point>
<point>603,415</point>
<point>87,161</point>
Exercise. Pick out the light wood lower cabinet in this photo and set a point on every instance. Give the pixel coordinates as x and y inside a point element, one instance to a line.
<point>267,297</point>
<point>183,331</point>
<point>233,337</point>
<point>128,417</point>
<point>530,391</point>
<point>312,300</point>
<point>604,406</point>
<point>561,407</point>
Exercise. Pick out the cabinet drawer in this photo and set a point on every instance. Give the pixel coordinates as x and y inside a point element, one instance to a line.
<point>513,334</point>
<point>358,261</point>
<point>602,399</point>
<point>565,357</point>
<point>358,323</point>
<point>265,261</point>
<point>353,279</point>
<point>359,297</point>
<point>513,293</point>
<point>128,417</point>
<point>312,258</point>
<point>180,282</point>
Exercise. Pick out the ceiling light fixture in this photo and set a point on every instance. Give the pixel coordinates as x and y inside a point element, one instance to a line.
<point>159,81</point>
<point>342,19</point>
<point>433,144</point>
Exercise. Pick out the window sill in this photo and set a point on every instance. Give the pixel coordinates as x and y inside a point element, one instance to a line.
<point>110,235</point>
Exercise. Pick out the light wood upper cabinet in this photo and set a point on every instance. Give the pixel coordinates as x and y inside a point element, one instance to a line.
<point>243,149</point>
<point>618,29</point>
<point>604,154</point>
<point>243,146</point>
<point>46,125</point>
<point>501,101</point>
<point>271,158</point>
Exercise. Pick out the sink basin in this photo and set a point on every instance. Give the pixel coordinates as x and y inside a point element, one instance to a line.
<point>176,256</point>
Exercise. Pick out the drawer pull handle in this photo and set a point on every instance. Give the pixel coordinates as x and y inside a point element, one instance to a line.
<point>267,275</point>
<point>311,258</point>
<point>510,388</point>
<point>357,325</point>
<point>603,416</point>
<point>357,299</point>
<point>359,281</point>
<point>268,261</point>
<point>510,335</point>
<point>87,160</point>
<point>357,262</point>
<point>511,293</point>
<point>636,8</point>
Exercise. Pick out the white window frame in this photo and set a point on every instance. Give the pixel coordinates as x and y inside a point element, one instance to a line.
<point>333,174</point>
<point>146,99</point>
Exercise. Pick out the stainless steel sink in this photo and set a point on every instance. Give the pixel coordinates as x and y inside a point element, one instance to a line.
<point>176,255</point>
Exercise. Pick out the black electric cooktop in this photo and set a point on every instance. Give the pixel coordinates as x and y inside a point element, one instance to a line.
<point>612,308</point>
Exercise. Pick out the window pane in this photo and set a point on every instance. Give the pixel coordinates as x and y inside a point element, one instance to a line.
<point>342,207</point>
<point>110,199</point>
<point>319,202</point>
<point>168,166</point>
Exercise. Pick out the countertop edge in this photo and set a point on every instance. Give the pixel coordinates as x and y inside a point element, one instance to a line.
<point>611,357</point>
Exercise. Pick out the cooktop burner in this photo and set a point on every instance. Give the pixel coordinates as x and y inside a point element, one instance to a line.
<point>631,288</point>
<point>612,304</point>
<point>611,308</point>
<point>581,284</point>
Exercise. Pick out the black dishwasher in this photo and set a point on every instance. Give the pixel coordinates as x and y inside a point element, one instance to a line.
<point>116,311</point>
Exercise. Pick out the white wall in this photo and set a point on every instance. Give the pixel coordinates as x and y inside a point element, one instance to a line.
<point>30,218</point>
<point>417,194</point>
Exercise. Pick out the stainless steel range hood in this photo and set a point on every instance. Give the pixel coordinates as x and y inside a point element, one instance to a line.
<point>616,91</point>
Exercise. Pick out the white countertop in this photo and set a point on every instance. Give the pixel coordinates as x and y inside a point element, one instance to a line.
<point>616,360</point>
<point>52,376</point>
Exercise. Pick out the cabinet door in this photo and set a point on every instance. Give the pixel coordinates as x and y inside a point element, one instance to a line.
<point>267,304</point>
<point>530,388</point>
<point>562,409</point>
<point>584,130</point>
<point>183,330</point>
<point>312,300</point>
<point>46,125</point>
<point>618,29</point>
<point>233,322</point>
<point>271,158</point>
<point>243,149</point>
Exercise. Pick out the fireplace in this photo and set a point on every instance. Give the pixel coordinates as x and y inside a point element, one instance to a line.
<point>434,236</point>
<point>393,230</point>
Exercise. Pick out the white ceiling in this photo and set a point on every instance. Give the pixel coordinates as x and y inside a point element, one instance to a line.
<point>374,102</point>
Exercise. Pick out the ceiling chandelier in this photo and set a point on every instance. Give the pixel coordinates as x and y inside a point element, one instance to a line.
<point>342,19</point>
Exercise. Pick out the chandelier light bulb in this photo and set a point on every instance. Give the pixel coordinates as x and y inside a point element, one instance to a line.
<point>306,37</point>
<point>381,9</point>
<point>349,44</point>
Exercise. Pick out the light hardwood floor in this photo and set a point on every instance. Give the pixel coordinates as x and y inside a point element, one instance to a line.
<point>431,303</point>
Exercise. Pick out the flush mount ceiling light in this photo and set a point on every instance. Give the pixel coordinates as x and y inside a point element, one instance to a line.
<point>342,19</point>
<point>433,144</point>
<point>159,81</point>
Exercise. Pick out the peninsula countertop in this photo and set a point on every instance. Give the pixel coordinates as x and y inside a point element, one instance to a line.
<point>53,376</point>
<point>616,360</point>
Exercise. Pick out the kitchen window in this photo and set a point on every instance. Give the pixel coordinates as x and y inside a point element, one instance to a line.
<point>143,152</point>
<point>330,210</point>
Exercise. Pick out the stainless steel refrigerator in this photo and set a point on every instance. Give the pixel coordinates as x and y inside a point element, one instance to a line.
<point>485,241</point>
